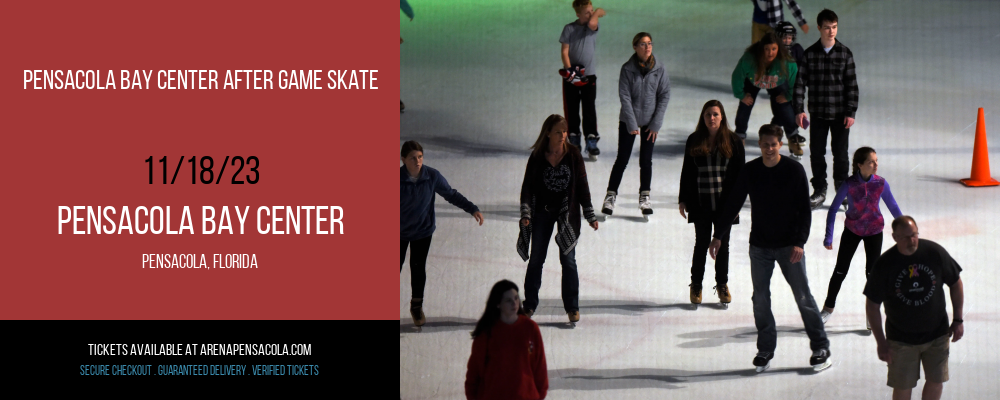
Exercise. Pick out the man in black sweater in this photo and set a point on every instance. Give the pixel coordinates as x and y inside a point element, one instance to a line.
<point>780,218</point>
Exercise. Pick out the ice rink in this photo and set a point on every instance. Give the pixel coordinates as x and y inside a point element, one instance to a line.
<point>479,77</point>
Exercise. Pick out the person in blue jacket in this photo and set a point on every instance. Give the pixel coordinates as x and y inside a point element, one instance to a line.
<point>417,185</point>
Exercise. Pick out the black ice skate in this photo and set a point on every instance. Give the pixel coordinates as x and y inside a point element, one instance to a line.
<point>763,360</point>
<point>817,198</point>
<point>820,360</point>
<point>417,313</point>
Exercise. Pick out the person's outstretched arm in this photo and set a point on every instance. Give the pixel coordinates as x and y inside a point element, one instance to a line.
<point>957,329</point>
<point>874,313</point>
<point>831,215</point>
<point>453,196</point>
<point>890,201</point>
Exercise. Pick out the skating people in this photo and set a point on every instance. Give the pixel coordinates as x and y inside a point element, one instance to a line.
<point>828,73</point>
<point>644,90</point>
<point>553,193</point>
<point>766,65</point>
<point>863,222</point>
<point>508,358</point>
<point>417,185</point>
<point>786,34</point>
<point>780,218</point>
<point>916,324</point>
<point>713,157</point>
<point>579,74</point>
<point>767,14</point>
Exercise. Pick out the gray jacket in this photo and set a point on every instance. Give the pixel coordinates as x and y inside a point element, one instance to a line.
<point>644,98</point>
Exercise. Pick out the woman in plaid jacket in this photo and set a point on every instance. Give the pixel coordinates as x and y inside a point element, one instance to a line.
<point>713,157</point>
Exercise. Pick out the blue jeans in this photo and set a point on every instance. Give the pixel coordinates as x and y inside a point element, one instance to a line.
<point>761,267</point>
<point>542,224</point>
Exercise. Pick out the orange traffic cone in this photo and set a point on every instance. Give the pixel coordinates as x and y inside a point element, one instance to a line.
<point>980,158</point>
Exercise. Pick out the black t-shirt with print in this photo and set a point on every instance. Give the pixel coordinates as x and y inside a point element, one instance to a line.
<point>911,289</point>
<point>556,181</point>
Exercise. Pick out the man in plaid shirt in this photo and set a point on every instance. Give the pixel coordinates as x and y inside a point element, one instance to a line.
<point>767,14</point>
<point>828,73</point>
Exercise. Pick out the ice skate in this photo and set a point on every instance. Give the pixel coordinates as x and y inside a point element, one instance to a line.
<point>417,312</point>
<point>825,314</point>
<point>592,149</point>
<point>820,360</point>
<point>609,203</point>
<point>695,294</point>
<point>529,312</point>
<point>401,107</point>
<point>724,296</point>
<point>574,139</point>
<point>817,198</point>
<point>763,361</point>
<point>644,205</point>
<point>574,317</point>
<point>868,324</point>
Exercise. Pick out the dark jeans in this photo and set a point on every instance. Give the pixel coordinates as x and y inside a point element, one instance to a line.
<point>542,224</point>
<point>418,263</point>
<point>572,97</point>
<point>625,142</point>
<point>817,148</point>
<point>702,239</point>
<point>761,267</point>
<point>783,113</point>
<point>848,246</point>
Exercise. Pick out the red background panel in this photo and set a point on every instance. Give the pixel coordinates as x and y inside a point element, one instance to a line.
<point>87,148</point>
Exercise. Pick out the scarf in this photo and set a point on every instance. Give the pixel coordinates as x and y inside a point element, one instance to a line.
<point>648,66</point>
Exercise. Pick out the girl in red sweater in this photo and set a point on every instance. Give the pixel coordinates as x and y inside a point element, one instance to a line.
<point>508,359</point>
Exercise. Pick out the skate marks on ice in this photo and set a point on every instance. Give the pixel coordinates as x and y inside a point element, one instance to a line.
<point>603,307</point>
<point>719,337</point>
<point>437,324</point>
<point>651,378</point>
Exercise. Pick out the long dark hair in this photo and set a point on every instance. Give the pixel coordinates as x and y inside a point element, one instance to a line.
<point>757,49</point>
<point>492,313</point>
<point>723,138</point>
<point>542,142</point>
<point>860,156</point>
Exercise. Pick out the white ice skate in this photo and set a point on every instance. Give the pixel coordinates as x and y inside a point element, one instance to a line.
<point>644,205</point>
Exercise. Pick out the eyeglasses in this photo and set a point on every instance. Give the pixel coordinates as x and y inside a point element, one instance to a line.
<point>645,44</point>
